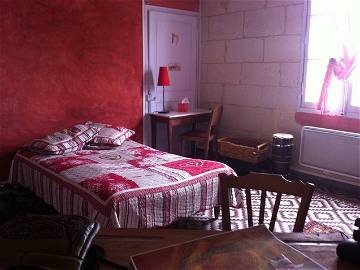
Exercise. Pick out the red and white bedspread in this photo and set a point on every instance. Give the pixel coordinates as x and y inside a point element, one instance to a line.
<point>131,186</point>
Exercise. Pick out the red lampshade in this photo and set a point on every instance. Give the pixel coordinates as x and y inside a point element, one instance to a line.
<point>163,79</point>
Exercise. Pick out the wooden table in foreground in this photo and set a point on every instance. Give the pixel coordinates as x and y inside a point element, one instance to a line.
<point>173,119</point>
<point>120,244</point>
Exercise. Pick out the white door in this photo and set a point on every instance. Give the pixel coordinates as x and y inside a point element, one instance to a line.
<point>172,41</point>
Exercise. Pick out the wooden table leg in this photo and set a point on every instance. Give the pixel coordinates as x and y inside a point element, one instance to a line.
<point>153,133</point>
<point>217,211</point>
<point>170,136</point>
<point>193,144</point>
<point>193,126</point>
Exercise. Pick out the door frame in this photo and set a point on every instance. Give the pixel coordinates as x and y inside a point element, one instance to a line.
<point>146,9</point>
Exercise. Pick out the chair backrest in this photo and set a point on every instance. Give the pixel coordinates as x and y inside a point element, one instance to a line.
<point>214,120</point>
<point>265,182</point>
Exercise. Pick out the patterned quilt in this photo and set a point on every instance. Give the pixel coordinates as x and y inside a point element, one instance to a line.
<point>130,186</point>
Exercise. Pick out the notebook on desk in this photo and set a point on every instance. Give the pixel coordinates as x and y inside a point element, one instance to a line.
<point>252,248</point>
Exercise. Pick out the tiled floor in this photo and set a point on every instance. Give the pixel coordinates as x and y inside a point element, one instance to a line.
<point>336,211</point>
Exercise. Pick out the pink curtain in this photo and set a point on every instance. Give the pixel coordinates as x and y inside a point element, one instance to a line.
<point>345,27</point>
<point>341,69</point>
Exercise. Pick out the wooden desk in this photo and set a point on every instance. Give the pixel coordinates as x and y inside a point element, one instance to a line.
<point>173,119</point>
<point>120,244</point>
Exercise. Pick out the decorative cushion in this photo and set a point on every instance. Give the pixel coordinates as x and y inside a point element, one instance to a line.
<point>111,135</point>
<point>65,141</point>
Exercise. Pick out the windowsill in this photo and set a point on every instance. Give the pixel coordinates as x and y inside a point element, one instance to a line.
<point>342,123</point>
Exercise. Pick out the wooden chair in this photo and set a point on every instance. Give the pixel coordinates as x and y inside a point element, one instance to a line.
<point>204,137</point>
<point>265,182</point>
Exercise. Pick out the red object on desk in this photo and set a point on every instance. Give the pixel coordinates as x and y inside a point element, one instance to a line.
<point>183,107</point>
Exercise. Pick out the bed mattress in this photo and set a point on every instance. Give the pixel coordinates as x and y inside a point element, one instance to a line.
<point>130,186</point>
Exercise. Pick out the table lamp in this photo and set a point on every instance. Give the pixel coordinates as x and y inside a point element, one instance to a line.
<point>163,80</point>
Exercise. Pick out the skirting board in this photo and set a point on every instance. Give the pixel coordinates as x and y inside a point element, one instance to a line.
<point>333,185</point>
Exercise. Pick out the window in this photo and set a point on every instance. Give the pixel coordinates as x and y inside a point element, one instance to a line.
<point>332,86</point>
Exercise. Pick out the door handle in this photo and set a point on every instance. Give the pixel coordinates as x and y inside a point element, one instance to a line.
<point>150,97</point>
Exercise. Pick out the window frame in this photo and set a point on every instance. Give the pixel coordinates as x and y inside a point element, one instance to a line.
<point>350,111</point>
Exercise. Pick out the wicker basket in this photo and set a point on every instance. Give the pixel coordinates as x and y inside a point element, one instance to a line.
<point>243,149</point>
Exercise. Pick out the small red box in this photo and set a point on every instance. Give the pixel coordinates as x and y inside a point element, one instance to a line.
<point>183,107</point>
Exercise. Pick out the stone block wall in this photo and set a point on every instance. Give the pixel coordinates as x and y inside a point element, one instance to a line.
<point>251,63</point>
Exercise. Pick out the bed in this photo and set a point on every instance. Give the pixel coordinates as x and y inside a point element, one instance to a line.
<point>129,186</point>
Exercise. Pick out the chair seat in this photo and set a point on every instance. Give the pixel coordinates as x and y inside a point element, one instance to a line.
<point>203,137</point>
<point>195,135</point>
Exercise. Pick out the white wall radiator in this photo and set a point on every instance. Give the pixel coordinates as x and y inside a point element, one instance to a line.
<point>331,151</point>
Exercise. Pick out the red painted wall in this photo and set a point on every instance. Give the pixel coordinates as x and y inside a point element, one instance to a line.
<point>64,62</point>
<point>191,5</point>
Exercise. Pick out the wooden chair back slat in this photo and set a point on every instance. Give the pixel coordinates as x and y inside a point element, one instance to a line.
<point>225,203</point>
<point>262,207</point>
<point>275,211</point>
<point>214,120</point>
<point>303,209</point>
<point>271,182</point>
<point>248,207</point>
<point>266,182</point>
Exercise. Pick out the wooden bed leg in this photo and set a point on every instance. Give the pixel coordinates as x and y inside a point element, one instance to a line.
<point>217,211</point>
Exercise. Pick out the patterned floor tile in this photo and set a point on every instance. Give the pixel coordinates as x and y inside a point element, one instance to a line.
<point>334,210</point>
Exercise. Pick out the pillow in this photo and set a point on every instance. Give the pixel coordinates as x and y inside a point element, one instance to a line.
<point>65,141</point>
<point>110,134</point>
